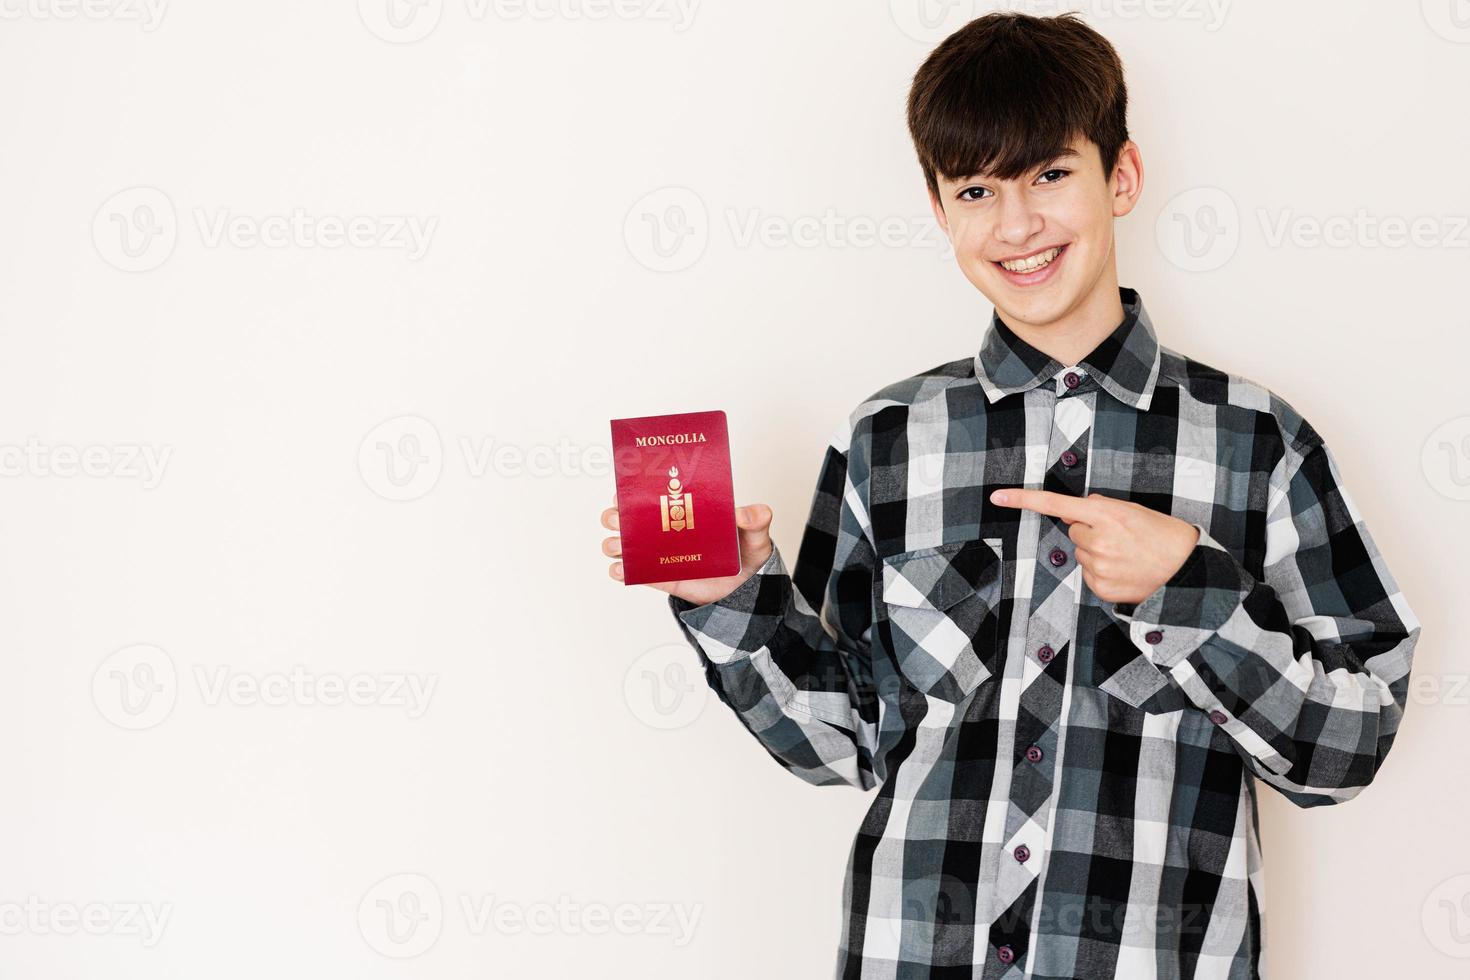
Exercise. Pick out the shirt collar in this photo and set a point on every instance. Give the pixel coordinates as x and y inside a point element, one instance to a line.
<point>1125,363</point>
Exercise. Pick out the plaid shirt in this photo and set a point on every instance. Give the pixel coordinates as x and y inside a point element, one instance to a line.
<point>1067,786</point>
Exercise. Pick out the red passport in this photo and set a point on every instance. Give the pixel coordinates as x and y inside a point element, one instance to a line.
<point>676,497</point>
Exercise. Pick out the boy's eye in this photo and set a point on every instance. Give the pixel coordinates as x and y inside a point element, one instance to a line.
<point>978,193</point>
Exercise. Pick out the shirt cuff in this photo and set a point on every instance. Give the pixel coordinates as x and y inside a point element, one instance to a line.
<point>744,620</point>
<point>1181,615</point>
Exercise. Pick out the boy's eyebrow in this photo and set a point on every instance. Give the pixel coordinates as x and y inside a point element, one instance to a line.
<point>1065,154</point>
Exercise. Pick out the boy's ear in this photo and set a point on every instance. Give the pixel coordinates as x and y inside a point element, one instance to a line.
<point>1129,175</point>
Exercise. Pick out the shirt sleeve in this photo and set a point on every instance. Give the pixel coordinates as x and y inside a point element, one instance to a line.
<point>790,653</point>
<point>1307,668</point>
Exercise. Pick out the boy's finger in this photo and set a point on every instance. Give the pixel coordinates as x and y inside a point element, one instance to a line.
<point>1062,505</point>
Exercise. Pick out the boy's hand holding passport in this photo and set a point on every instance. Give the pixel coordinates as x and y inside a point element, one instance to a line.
<point>678,527</point>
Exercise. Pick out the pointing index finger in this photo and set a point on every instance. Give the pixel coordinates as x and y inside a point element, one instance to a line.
<point>1062,505</point>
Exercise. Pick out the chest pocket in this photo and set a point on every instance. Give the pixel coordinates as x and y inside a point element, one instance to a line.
<point>939,608</point>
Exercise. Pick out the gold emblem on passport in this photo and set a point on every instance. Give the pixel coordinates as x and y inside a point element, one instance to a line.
<point>676,506</point>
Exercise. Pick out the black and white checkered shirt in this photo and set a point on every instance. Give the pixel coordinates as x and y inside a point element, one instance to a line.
<point>1066,786</point>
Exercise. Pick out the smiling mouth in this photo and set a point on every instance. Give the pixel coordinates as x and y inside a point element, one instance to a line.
<point>1032,263</point>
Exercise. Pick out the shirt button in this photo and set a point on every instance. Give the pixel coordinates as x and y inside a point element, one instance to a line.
<point>1072,379</point>
<point>1069,458</point>
<point>1045,654</point>
<point>1033,754</point>
<point>1219,717</point>
<point>1022,852</point>
<point>1058,557</point>
<point>1005,954</point>
<point>1154,636</point>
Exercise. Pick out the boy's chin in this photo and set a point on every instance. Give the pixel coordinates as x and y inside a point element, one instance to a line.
<point>1030,304</point>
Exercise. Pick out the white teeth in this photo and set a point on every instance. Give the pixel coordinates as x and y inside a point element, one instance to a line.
<point>1034,262</point>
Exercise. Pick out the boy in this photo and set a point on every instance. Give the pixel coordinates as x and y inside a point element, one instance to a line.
<point>1064,601</point>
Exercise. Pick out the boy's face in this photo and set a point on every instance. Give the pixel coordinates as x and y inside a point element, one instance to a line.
<point>1066,204</point>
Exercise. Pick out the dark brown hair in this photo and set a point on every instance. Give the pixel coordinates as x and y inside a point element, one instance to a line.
<point>1008,91</point>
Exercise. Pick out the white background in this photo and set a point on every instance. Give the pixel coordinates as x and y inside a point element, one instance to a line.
<point>326,508</point>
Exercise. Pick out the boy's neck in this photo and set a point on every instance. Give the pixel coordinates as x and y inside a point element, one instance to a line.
<point>1076,334</point>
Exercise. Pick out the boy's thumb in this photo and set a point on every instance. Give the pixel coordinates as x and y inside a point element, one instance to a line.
<point>753,517</point>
